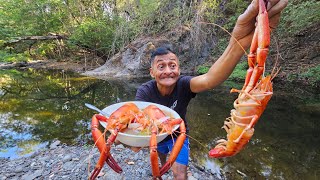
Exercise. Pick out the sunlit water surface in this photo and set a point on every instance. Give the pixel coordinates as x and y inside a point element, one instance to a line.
<point>37,107</point>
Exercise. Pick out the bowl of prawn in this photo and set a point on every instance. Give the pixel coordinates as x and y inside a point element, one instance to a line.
<point>133,138</point>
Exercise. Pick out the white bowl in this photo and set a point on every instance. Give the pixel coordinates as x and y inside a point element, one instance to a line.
<point>140,140</point>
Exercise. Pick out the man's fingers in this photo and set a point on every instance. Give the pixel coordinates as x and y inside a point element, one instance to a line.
<point>250,14</point>
<point>275,11</point>
<point>271,3</point>
<point>276,7</point>
<point>274,21</point>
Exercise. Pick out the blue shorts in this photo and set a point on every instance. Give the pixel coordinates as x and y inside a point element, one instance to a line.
<point>165,146</point>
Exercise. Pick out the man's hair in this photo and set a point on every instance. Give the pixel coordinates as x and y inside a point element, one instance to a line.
<point>160,51</point>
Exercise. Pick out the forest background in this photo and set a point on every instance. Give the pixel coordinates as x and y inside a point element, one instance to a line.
<point>73,30</point>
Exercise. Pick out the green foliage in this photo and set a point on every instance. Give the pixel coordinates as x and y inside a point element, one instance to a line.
<point>211,13</point>
<point>239,72</point>
<point>144,13</point>
<point>45,49</point>
<point>20,18</point>
<point>2,43</point>
<point>203,69</point>
<point>154,16</point>
<point>233,9</point>
<point>228,14</point>
<point>299,15</point>
<point>95,34</point>
<point>30,18</point>
<point>312,75</point>
<point>221,45</point>
<point>106,26</point>
<point>13,57</point>
<point>232,84</point>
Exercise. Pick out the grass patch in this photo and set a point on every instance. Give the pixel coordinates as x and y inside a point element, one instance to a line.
<point>299,15</point>
<point>203,69</point>
<point>13,57</point>
<point>233,84</point>
<point>312,75</point>
<point>240,71</point>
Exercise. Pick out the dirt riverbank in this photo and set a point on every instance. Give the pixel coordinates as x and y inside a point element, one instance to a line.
<point>60,161</point>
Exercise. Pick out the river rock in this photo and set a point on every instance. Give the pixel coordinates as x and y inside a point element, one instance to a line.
<point>54,144</point>
<point>67,158</point>
<point>71,162</point>
<point>134,59</point>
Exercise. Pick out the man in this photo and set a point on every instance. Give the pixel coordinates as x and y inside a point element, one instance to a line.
<point>172,90</point>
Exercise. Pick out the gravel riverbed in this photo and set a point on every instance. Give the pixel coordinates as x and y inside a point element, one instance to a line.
<point>60,161</point>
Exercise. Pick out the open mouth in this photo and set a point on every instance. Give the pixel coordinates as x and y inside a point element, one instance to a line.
<point>168,77</point>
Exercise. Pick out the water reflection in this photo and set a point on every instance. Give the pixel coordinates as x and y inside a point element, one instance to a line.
<point>44,105</point>
<point>37,107</point>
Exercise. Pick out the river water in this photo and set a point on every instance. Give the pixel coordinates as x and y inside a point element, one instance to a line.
<point>37,107</point>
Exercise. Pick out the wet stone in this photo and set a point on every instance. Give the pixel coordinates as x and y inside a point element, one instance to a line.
<point>19,169</point>
<point>66,158</point>
<point>31,175</point>
<point>54,144</point>
<point>196,175</point>
<point>65,162</point>
<point>191,178</point>
<point>46,173</point>
<point>14,178</point>
<point>44,159</point>
<point>68,166</point>
<point>75,159</point>
<point>3,177</point>
<point>120,146</point>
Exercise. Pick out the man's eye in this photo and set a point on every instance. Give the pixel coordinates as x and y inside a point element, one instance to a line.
<point>172,66</point>
<point>160,66</point>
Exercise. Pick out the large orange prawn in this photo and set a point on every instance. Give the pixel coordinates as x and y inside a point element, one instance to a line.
<point>253,97</point>
<point>117,121</point>
<point>157,116</point>
<point>151,117</point>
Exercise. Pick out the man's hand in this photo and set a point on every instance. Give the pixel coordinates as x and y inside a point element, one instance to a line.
<point>245,25</point>
<point>243,33</point>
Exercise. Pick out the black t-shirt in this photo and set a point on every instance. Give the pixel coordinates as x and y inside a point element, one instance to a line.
<point>178,100</point>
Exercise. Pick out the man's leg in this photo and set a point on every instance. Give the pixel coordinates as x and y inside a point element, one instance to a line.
<point>179,171</point>
<point>179,168</point>
<point>162,157</point>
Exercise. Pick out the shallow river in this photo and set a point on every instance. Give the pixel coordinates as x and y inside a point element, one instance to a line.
<point>37,107</point>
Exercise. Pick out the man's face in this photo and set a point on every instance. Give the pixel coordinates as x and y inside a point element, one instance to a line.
<point>165,69</point>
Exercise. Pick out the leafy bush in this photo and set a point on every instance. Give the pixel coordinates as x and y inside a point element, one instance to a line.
<point>299,15</point>
<point>233,84</point>
<point>312,75</point>
<point>14,57</point>
<point>94,34</point>
<point>203,69</point>
<point>239,72</point>
<point>233,9</point>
